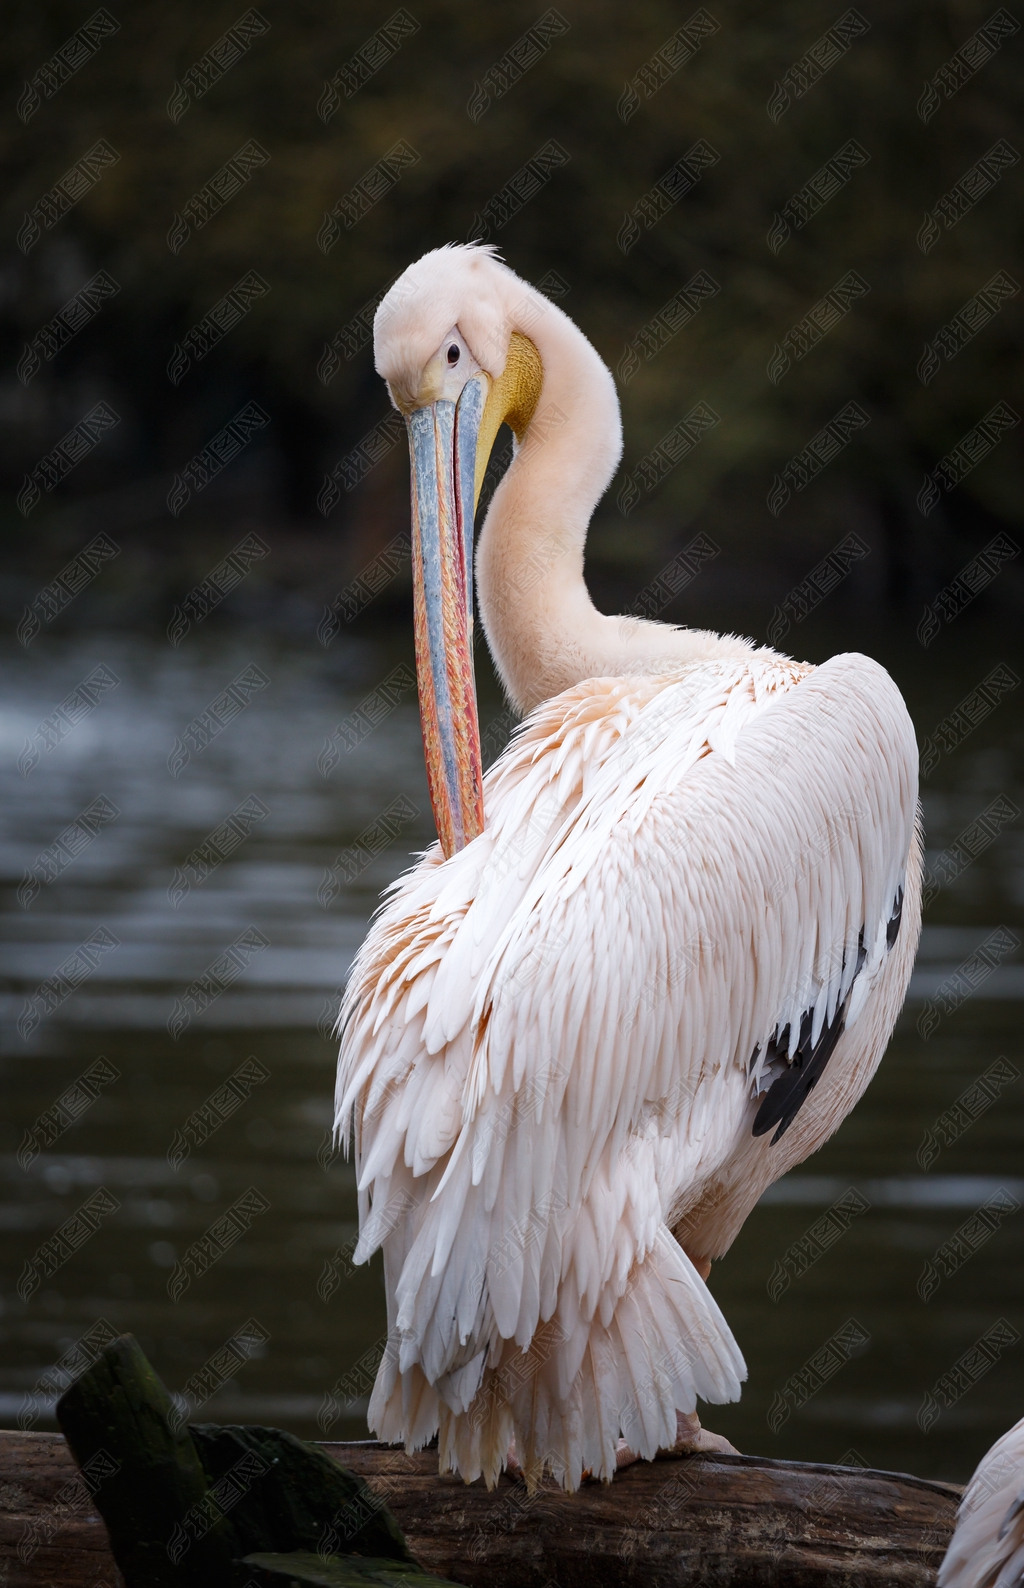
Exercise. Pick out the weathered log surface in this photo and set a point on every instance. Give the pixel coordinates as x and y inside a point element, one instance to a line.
<point>716,1521</point>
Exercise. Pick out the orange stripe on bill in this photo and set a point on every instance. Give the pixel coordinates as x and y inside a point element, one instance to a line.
<point>442,446</point>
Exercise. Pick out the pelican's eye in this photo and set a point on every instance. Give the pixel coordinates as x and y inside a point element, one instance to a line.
<point>453,354</point>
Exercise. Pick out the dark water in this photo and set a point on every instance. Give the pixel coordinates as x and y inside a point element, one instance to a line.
<point>168,1068</point>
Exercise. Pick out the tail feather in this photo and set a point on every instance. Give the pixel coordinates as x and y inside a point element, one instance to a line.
<point>578,1385</point>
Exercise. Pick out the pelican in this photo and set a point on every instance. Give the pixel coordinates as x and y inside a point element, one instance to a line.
<point>652,962</point>
<point>987,1547</point>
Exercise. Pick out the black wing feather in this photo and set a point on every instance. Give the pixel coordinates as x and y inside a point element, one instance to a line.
<point>786,1094</point>
<point>788,1091</point>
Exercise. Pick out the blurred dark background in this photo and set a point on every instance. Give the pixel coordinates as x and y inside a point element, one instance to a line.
<point>201,484</point>
<point>413,89</point>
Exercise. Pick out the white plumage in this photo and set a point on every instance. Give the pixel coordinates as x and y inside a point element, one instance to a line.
<point>555,1042</point>
<point>987,1548</point>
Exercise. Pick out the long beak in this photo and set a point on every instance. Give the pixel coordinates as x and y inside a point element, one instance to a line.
<point>443,447</point>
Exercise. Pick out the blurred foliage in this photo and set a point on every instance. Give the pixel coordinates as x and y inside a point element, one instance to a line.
<point>419,93</point>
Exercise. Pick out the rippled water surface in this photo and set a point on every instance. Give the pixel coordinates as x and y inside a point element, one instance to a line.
<point>168,1067</point>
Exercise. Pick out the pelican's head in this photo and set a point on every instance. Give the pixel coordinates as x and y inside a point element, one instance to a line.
<point>456,366</point>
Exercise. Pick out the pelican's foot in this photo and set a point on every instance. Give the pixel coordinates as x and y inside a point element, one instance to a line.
<point>691,1436</point>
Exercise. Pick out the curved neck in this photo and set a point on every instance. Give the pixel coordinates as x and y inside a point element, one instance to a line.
<point>543,630</point>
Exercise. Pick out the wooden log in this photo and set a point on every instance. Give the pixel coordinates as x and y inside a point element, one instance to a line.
<point>300,1567</point>
<point>716,1521</point>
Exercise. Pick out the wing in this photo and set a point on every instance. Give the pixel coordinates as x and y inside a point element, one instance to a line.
<point>549,1035</point>
<point>987,1546</point>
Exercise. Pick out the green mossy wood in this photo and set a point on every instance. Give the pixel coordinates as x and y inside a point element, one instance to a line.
<point>216,1507</point>
<point>143,1469</point>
